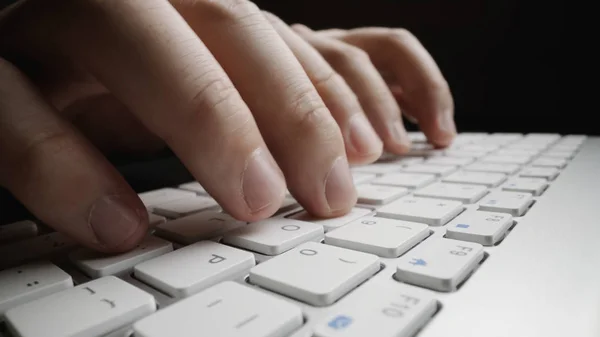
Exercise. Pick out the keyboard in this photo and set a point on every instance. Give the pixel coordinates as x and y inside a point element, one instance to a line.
<point>497,235</point>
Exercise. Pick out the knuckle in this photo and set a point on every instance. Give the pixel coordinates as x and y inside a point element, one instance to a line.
<point>401,35</point>
<point>43,148</point>
<point>327,79</point>
<point>348,56</point>
<point>215,92</point>
<point>310,114</point>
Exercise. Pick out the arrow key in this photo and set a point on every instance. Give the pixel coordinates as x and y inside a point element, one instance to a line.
<point>439,264</point>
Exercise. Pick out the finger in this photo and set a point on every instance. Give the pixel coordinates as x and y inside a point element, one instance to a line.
<point>362,143</point>
<point>292,117</point>
<point>425,94</point>
<point>364,79</point>
<point>58,176</point>
<point>152,61</point>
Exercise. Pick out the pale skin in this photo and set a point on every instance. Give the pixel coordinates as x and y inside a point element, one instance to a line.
<point>248,103</point>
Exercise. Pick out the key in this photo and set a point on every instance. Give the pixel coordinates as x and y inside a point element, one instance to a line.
<point>333,223</point>
<point>548,173</point>
<point>476,178</point>
<point>485,228</point>
<point>549,162</point>
<point>163,195</point>
<point>379,236</point>
<point>195,187</point>
<point>197,227</point>
<point>228,309</point>
<point>497,159</point>
<point>182,207</point>
<point>97,265</point>
<point>517,152</point>
<point>433,212</point>
<point>18,231</point>
<point>438,170</point>
<point>513,203</point>
<point>467,194</point>
<point>294,272</point>
<point>534,186</point>
<point>43,246</point>
<point>361,177</point>
<point>274,236</point>
<point>287,204</point>
<point>423,150</point>
<point>94,308</point>
<point>193,268</point>
<point>155,220</point>
<point>527,146</point>
<point>378,168</point>
<point>479,148</point>
<point>559,154</point>
<point>29,282</point>
<point>493,168</point>
<point>439,264</point>
<point>451,161</point>
<point>396,310</point>
<point>408,180</point>
<point>458,153</point>
<point>417,137</point>
<point>379,194</point>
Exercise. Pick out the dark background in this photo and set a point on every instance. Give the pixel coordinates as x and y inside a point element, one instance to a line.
<point>505,61</point>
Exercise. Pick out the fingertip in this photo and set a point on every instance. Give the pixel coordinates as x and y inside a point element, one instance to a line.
<point>340,192</point>
<point>118,221</point>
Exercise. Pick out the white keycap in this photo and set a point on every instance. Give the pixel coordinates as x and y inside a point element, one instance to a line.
<point>389,310</point>
<point>549,162</point>
<point>548,173</point>
<point>439,264</point>
<point>193,268</point>
<point>274,236</point>
<point>527,146</point>
<point>467,194</point>
<point>417,137</point>
<point>380,236</point>
<point>458,153</point>
<point>361,177</point>
<point>559,154</point>
<point>194,187</point>
<point>514,159</point>
<point>379,194</point>
<point>155,220</point>
<point>94,308</point>
<point>182,207</point>
<point>534,186</point>
<point>514,203</point>
<point>18,231</point>
<point>408,180</point>
<point>423,150</point>
<point>433,212</point>
<point>196,227</point>
<point>163,195</point>
<point>438,170</point>
<point>517,152</point>
<point>43,246</point>
<point>565,148</point>
<point>226,310</point>
<point>488,179</point>
<point>493,168</point>
<point>405,161</point>
<point>485,228</point>
<point>97,265</point>
<point>378,168</point>
<point>29,282</point>
<point>315,273</point>
<point>451,161</point>
<point>479,148</point>
<point>333,223</point>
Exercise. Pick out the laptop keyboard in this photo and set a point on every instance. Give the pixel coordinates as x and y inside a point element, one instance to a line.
<point>427,221</point>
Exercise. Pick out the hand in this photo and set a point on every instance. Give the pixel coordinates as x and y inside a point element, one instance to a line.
<point>244,105</point>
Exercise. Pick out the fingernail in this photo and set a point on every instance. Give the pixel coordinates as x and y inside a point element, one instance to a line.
<point>362,136</point>
<point>399,133</point>
<point>446,123</point>
<point>262,183</point>
<point>339,187</point>
<point>114,218</point>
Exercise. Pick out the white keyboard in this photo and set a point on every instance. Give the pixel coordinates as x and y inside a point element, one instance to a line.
<point>425,227</point>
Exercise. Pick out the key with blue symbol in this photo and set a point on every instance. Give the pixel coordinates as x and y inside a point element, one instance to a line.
<point>439,263</point>
<point>486,228</point>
